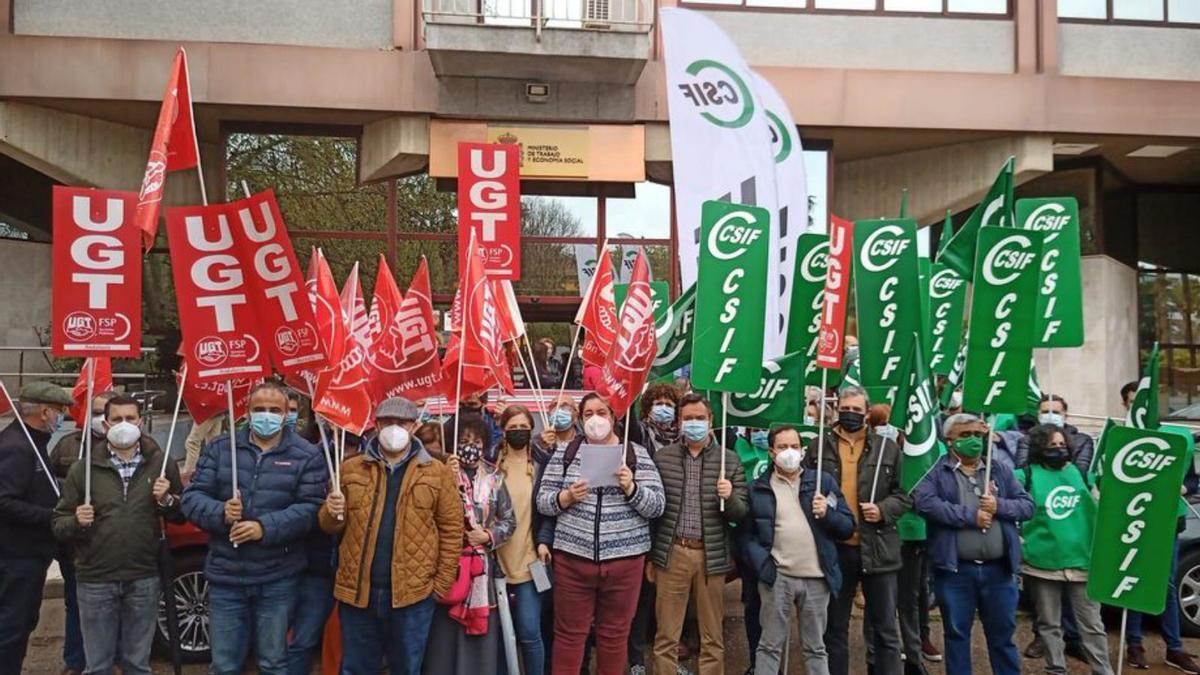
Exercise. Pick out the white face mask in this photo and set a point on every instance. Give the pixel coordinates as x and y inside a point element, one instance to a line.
<point>1056,419</point>
<point>123,435</point>
<point>98,425</point>
<point>597,428</point>
<point>789,460</point>
<point>394,438</point>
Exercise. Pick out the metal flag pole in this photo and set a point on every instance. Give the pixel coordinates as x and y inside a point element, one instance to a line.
<point>987,476</point>
<point>233,463</point>
<point>1121,642</point>
<point>567,368</point>
<point>174,420</point>
<point>724,431</point>
<point>821,426</point>
<point>462,343</point>
<point>33,446</point>
<point>87,433</point>
<point>541,392</point>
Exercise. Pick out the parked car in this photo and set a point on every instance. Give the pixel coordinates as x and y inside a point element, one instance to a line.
<point>188,545</point>
<point>1187,576</point>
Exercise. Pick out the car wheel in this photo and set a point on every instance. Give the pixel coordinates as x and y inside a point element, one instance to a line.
<point>1187,583</point>
<point>191,607</point>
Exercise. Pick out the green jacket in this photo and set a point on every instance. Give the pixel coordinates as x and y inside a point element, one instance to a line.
<point>122,544</point>
<point>718,540</point>
<point>1059,536</point>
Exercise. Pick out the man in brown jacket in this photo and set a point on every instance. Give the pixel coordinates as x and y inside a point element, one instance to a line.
<point>401,521</point>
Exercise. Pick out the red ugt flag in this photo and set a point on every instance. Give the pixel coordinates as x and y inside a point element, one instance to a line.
<point>342,391</point>
<point>405,358</point>
<point>837,291</point>
<point>81,410</point>
<point>479,344</point>
<point>173,148</point>
<point>598,313</point>
<point>206,400</point>
<point>633,351</point>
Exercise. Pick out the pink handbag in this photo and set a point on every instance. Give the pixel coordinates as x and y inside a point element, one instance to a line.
<point>470,565</point>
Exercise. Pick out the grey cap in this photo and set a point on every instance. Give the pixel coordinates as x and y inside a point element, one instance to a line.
<point>45,392</point>
<point>398,408</point>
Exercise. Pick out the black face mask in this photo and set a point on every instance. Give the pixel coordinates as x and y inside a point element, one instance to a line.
<point>517,438</point>
<point>470,409</point>
<point>851,421</point>
<point>1056,458</point>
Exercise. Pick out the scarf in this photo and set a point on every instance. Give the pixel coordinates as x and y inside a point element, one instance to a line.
<point>477,493</point>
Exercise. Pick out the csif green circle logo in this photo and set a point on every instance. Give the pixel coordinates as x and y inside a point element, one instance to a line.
<point>781,140</point>
<point>720,93</point>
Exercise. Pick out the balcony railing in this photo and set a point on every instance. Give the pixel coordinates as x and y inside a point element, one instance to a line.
<point>631,16</point>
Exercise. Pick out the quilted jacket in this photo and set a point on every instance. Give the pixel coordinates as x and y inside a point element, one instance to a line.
<point>428,536</point>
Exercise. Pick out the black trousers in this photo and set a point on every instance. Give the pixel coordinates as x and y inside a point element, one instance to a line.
<point>913,600</point>
<point>21,582</point>
<point>880,593</point>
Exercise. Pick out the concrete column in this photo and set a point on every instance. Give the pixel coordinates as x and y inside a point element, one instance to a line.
<point>1090,377</point>
<point>393,147</point>
<point>27,275</point>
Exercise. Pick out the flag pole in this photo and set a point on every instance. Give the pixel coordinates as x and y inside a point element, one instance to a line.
<point>174,420</point>
<point>541,393</point>
<point>720,443</point>
<point>232,440</point>
<point>821,425</point>
<point>337,487</point>
<point>462,344</point>
<point>187,76</point>
<point>567,368</point>
<point>37,453</point>
<point>87,433</point>
<point>987,476</point>
<point>1121,642</point>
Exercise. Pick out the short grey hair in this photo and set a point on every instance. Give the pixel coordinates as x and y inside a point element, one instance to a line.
<point>853,390</point>
<point>958,420</point>
<point>29,408</point>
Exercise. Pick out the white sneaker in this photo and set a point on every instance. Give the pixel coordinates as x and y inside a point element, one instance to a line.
<point>637,670</point>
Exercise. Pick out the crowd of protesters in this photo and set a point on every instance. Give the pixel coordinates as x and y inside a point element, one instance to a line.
<point>473,545</point>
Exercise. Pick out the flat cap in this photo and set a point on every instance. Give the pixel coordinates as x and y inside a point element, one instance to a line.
<point>44,392</point>
<point>398,408</point>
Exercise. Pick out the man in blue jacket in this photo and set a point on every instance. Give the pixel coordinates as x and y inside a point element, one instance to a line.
<point>789,538</point>
<point>973,546</point>
<point>256,553</point>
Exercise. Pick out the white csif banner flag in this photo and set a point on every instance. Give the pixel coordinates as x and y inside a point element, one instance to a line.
<point>791,194</point>
<point>720,142</point>
<point>585,265</point>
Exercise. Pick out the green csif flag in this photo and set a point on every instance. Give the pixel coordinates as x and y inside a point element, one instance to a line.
<point>1000,339</point>
<point>1143,414</point>
<point>674,332</point>
<point>853,375</point>
<point>1033,395</point>
<point>660,296</point>
<point>918,418</point>
<point>995,209</point>
<point>955,377</point>
<point>888,300</point>
<point>807,301</point>
<point>779,398</point>
<point>1135,522</point>
<point>1060,301</point>
<point>755,460</point>
<point>947,304</point>
<point>731,297</point>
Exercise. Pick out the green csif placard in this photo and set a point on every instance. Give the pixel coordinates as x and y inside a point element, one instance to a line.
<point>1135,522</point>
<point>808,297</point>
<point>947,302</point>
<point>731,297</point>
<point>1060,296</point>
<point>779,398</point>
<point>888,296</point>
<point>1000,338</point>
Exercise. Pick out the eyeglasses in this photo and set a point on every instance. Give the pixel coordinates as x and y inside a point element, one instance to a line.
<point>974,482</point>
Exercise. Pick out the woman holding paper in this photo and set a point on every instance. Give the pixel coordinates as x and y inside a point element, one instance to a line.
<point>601,537</point>
<point>524,558</point>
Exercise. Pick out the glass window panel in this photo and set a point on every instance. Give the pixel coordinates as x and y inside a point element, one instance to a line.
<point>793,4</point>
<point>1183,11</point>
<point>979,6</point>
<point>421,208</point>
<point>558,216</point>
<point>845,4</point>
<point>547,269</point>
<point>646,216</point>
<point>1083,9</point>
<point>912,5</point>
<point>1139,10</point>
<point>816,172</point>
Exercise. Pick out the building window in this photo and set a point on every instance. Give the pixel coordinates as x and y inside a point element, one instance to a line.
<point>929,6</point>
<point>984,8</point>
<point>845,4</point>
<point>1150,11</point>
<point>1169,314</point>
<point>1083,9</point>
<point>978,6</point>
<point>1183,11</point>
<point>1138,10</point>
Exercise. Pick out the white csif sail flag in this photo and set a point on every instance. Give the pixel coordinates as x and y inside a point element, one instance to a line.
<point>720,142</point>
<point>791,195</point>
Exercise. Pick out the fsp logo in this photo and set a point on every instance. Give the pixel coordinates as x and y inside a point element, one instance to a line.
<point>732,235</point>
<point>883,248</point>
<point>1007,259</point>
<point>719,93</point>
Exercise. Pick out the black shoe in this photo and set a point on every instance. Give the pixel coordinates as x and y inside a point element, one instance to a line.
<point>1135,656</point>
<point>1036,649</point>
<point>1182,661</point>
<point>915,669</point>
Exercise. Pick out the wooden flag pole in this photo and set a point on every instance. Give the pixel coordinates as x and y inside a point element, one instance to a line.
<point>33,446</point>
<point>162,472</point>
<point>87,433</point>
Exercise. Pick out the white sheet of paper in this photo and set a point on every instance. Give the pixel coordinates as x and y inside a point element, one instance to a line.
<point>598,464</point>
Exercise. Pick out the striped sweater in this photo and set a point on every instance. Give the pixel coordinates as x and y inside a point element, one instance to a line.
<point>606,525</point>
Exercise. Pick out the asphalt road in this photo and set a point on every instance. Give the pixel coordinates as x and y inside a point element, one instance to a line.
<point>45,649</point>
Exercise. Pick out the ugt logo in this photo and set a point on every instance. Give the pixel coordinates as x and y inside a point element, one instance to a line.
<point>719,93</point>
<point>211,351</point>
<point>79,326</point>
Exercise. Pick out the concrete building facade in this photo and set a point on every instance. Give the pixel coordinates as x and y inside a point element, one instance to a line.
<point>1099,99</point>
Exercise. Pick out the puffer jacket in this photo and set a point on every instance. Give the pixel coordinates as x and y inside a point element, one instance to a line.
<point>714,524</point>
<point>281,489</point>
<point>1083,448</point>
<point>879,542</point>
<point>428,535</point>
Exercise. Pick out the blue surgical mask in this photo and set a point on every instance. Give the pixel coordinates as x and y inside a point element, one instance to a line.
<point>58,424</point>
<point>291,420</point>
<point>695,430</point>
<point>562,419</point>
<point>266,424</point>
<point>1053,418</point>
<point>758,438</point>
<point>662,413</point>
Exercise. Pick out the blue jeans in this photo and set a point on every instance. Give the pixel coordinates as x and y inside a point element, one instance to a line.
<point>1168,620</point>
<point>526,605</point>
<point>237,612</point>
<point>73,655</point>
<point>314,601</point>
<point>118,619</point>
<point>368,635</point>
<point>989,589</point>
